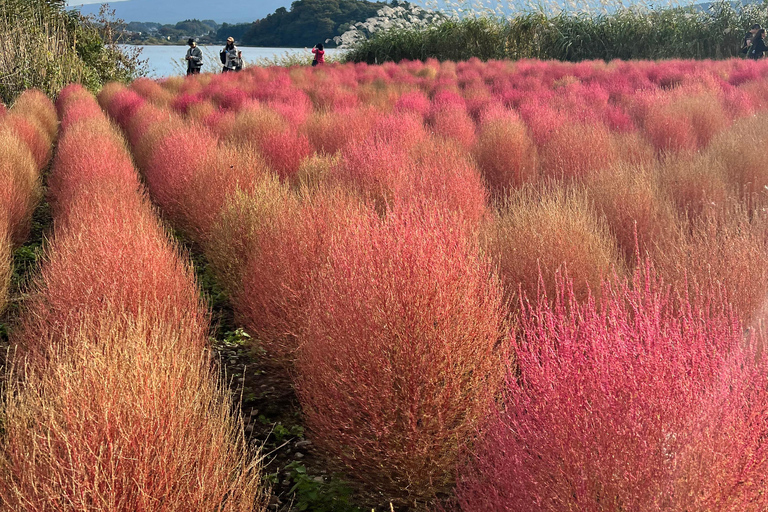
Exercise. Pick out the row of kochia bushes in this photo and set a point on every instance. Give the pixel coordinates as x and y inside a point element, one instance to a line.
<point>374,225</point>
<point>112,403</point>
<point>27,132</point>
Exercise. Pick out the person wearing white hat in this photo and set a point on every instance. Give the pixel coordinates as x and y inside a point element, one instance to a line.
<point>231,57</point>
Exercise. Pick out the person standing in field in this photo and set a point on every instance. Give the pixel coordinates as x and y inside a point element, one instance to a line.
<point>758,48</point>
<point>231,57</point>
<point>319,52</point>
<point>194,58</point>
<point>747,41</point>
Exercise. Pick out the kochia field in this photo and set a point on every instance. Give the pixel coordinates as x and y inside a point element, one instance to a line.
<point>501,286</point>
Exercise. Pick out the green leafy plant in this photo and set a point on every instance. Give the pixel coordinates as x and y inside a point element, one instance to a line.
<point>318,494</point>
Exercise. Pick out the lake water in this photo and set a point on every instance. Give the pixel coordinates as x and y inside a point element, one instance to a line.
<point>167,61</point>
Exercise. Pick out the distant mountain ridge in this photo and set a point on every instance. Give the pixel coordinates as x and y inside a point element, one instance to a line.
<point>172,11</point>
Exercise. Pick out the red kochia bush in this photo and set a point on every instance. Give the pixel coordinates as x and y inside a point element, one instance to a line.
<point>574,150</point>
<point>642,402</point>
<point>433,168</point>
<point>453,123</point>
<point>174,161</point>
<point>505,153</point>
<point>265,248</point>
<point>33,136</point>
<point>400,352</point>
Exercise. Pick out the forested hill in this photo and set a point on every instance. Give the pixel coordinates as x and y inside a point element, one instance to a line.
<point>308,22</point>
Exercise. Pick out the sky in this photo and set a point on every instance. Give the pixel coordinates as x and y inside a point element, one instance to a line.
<point>172,11</point>
<point>244,11</point>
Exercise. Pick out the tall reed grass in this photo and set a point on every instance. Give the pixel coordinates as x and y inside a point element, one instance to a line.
<point>44,47</point>
<point>628,33</point>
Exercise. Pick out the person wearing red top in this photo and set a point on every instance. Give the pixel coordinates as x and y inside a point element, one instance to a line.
<point>319,54</point>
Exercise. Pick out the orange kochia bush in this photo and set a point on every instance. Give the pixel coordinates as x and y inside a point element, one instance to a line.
<point>116,405</point>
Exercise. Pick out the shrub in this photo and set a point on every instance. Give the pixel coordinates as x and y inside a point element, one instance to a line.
<point>445,174</point>
<point>284,152</point>
<point>126,416</point>
<point>637,210</point>
<point>282,148</point>
<point>640,402</point>
<point>77,109</point>
<point>35,105</point>
<point>414,102</point>
<point>740,154</point>
<point>329,132</point>
<point>6,264</point>
<point>695,184</point>
<point>121,104</point>
<point>540,234</point>
<point>174,161</point>
<point>265,248</point>
<point>723,250</point>
<point>453,123</point>
<point>687,121</point>
<point>433,168</point>
<point>316,171</point>
<point>229,169</point>
<point>574,150</point>
<point>506,154</point>
<point>399,354</point>
<point>252,124</point>
<point>46,47</point>
<point>152,91</point>
<point>32,136</point>
<point>19,190</point>
<point>25,148</point>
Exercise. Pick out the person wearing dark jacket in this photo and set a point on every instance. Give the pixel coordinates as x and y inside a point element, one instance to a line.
<point>758,47</point>
<point>748,38</point>
<point>194,58</point>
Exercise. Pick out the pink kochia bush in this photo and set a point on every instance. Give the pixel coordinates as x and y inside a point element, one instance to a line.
<point>401,352</point>
<point>119,408</point>
<point>639,402</point>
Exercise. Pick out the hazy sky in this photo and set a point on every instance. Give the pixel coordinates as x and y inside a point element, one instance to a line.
<point>83,2</point>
